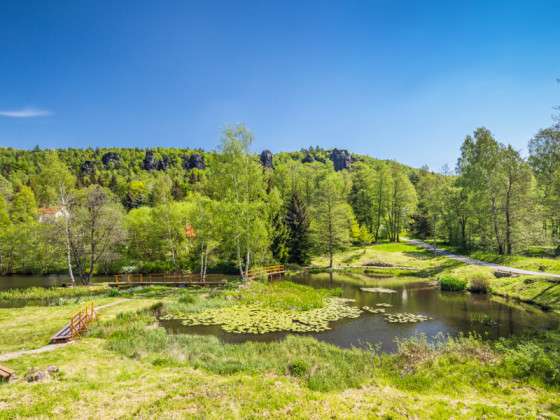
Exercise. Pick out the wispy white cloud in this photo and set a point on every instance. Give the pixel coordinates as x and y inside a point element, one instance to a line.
<point>25,113</point>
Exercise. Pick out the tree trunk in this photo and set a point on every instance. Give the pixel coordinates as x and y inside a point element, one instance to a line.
<point>496,228</point>
<point>508,220</point>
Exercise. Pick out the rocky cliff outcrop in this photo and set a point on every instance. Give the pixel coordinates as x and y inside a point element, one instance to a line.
<point>110,158</point>
<point>341,159</point>
<point>266,158</point>
<point>194,161</point>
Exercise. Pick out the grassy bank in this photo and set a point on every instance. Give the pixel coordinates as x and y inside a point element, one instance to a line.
<point>459,276</point>
<point>130,367</point>
<point>535,259</point>
<point>41,296</point>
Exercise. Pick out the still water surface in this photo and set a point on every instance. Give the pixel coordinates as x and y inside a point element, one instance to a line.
<point>24,282</point>
<point>453,313</point>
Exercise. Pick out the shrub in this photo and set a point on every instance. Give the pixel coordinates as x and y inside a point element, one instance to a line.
<point>530,360</point>
<point>452,283</point>
<point>479,283</point>
<point>298,368</point>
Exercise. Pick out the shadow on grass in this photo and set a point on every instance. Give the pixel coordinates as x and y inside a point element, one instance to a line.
<point>448,264</point>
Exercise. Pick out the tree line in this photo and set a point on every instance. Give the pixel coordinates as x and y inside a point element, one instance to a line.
<point>94,211</point>
<point>119,210</point>
<point>497,200</point>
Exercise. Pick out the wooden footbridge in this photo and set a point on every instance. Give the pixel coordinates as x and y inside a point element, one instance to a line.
<point>183,280</point>
<point>167,279</point>
<point>77,325</point>
<point>269,272</point>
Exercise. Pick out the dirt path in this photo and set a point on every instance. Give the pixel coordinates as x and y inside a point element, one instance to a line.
<point>50,347</point>
<point>472,261</point>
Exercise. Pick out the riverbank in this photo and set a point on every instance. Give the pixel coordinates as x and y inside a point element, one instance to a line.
<point>128,365</point>
<point>537,259</point>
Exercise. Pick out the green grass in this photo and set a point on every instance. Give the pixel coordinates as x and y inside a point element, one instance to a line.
<point>128,366</point>
<point>30,327</point>
<point>452,284</point>
<point>40,296</point>
<point>530,289</point>
<point>534,259</point>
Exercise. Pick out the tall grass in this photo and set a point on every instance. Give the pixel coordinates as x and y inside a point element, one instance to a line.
<point>320,366</point>
<point>40,296</point>
<point>479,282</point>
<point>451,283</point>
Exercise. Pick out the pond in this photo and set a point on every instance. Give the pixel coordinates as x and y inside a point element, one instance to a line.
<point>449,313</point>
<point>24,282</point>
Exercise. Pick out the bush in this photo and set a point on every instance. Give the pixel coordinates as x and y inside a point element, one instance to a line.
<point>298,368</point>
<point>451,283</point>
<point>530,360</point>
<point>479,283</point>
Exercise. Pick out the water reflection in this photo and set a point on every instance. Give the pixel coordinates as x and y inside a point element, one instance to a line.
<point>451,313</point>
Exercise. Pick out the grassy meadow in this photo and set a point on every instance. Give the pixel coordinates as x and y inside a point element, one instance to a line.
<point>128,366</point>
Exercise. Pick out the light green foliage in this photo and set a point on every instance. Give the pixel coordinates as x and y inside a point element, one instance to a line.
<point>137,194</point>
<point>544,155</point>
<point>401,205</point>
<point>451,283</point>
<point>332,216</point>
<point>237,182</point>
<point>53,179</point>
<point>4,214</point>
<point>501,185</point>
<point>24,206</point>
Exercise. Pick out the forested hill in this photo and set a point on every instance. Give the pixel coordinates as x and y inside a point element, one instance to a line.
<point>133,173</point>
<point>115,209</point>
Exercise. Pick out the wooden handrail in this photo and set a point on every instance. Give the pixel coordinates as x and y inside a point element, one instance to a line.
<point>80,320</point>
<point>268,270</point>
<point>162,277</point>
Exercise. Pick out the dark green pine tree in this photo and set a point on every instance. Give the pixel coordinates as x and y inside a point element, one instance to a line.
<point>297,222</point>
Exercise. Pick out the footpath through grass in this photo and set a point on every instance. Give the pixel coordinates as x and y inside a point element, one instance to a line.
<point>535,259</point>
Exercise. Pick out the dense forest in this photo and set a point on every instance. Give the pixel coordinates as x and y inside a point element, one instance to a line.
<point>108,210</point>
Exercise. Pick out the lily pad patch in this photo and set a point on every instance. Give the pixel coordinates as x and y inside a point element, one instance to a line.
<point>257,319</point>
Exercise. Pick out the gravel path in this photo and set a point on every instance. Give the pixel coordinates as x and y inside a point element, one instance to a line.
<point>49,347</point>
<point>472,261</point>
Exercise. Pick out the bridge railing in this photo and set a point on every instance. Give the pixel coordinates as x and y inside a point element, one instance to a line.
<point>166,277</point>
<point>80,321</point>
<point>266,271</point>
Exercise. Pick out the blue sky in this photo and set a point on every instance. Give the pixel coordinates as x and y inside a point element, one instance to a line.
<point>393,79</point>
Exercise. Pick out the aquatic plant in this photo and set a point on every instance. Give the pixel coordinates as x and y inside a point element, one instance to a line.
<point>483,319</point>
<point>259,319</point>
<point>377,290</point>
<point>373,310</point>
<point>384,305</point>
<point>405,317</point>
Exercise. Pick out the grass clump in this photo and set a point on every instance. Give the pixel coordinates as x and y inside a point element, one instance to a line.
<point>452,283</point>
<point>479,282</point>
